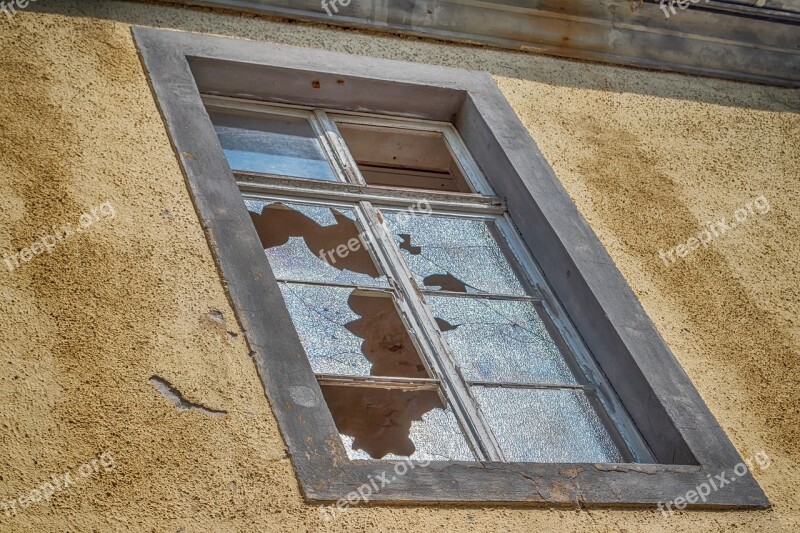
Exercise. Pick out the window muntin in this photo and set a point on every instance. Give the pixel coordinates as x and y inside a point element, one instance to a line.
<point>494,273</point>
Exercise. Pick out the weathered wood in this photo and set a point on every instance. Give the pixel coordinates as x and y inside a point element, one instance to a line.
<point>739,42</point>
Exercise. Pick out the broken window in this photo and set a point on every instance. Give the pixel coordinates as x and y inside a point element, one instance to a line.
<point>314,243</point>
<point>431,333</point>
<point>453,254</point>
<point>352,334</point>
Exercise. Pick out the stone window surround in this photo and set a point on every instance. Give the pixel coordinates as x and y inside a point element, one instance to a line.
<point>668,411</point>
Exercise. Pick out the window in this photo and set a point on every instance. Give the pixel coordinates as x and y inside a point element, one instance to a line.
<point>428,335</point>
<point>367,216</point>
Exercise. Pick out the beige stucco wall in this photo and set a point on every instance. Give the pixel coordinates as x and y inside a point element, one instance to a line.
<point>647,157</point>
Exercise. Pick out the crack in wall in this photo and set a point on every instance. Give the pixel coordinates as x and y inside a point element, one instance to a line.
<point>172,394</point>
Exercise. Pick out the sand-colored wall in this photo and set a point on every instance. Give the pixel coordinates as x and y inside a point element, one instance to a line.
<point>647,157</point>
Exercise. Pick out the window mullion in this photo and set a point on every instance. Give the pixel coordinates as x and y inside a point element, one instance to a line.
<point>434,350</point>
<point>334,139</point>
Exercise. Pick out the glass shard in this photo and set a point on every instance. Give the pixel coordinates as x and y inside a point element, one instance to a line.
<point>452,254</point>
<point>352,332</point>
<point>546,425</point>
<point>393,424</point>
<point>499,340</point>
<point>398,157</point>
<point>272,144</point>
<point>314,243</point>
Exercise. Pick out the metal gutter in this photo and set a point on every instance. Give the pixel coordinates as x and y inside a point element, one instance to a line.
<point>732,39</point>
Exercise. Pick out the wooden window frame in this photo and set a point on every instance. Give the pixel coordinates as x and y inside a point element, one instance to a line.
<point>685,439</point>
<point>372,199</point>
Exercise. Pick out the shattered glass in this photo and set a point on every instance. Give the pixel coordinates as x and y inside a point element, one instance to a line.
<point>272,144</point>
<point>296,237</point>
<point>379,423</point>
<point>499,340</point>
<point>546,425</point>
<point>453,254</point>
<point>352,332</point>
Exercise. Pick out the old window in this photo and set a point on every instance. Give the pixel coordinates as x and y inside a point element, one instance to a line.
<point>429,330</point>
<point>414,284</point>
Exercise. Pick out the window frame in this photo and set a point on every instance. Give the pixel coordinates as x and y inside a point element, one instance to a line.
<point>664,405</point>
<point>460,205</point>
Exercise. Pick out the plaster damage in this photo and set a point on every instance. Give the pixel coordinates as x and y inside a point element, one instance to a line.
<point>168,391</point>
<point>647,157</point>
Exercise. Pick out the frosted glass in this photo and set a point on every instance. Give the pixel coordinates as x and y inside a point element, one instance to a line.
<point>499,340</point>
<point>455,254</point>
<point>393,424</point>
<point>350,332</point>
<point>293,235</point>
<point>546,425</point>
<point>272,144</point>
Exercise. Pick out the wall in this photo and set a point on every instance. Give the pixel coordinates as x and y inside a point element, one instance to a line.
<point>647,157</point>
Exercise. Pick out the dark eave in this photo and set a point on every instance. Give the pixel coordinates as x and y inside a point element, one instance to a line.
<point>748,40</point>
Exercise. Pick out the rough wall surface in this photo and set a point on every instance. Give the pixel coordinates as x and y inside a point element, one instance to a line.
<point>648,158</point>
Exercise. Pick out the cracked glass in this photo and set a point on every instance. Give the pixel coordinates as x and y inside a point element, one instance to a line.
<point>352,332</point>
<point>314,243</point>
<point>396,424</point>
<point>452,254</point>
<point>546,425</point>
<point>499,340</point>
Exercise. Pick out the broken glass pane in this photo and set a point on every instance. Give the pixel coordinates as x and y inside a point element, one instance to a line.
<point>499,340</point>
<point>453,254</point>
<point>352,332</point>
<point>272,144</point>
<point>546,425</point>
<point>395,424</point>
<point>314,243</point>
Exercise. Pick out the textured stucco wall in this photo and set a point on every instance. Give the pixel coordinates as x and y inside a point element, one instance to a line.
<point>647,157</point>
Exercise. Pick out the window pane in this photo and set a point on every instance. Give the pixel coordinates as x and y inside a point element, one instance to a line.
<point>546,425</point>
<point>499,340</point>
<point>296,237</point>
<point>352,332</point>
<point>393,424</point>
<point>272,144</point>
<point>454,254</point>
<point>403,158</point>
